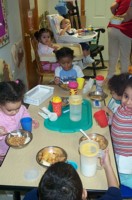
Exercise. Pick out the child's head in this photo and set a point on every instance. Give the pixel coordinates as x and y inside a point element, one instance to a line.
<point>116,85</point>
<point>60,181</point>
<point>127,94</point>
<point>44,35</point>
<point>11,95</point>
<point>64,23</point>
<point>65,57</point>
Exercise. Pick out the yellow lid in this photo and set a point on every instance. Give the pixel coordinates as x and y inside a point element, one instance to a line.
<point>56,99</point>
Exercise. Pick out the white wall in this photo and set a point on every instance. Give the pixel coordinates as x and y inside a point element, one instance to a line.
<point>15,34</point>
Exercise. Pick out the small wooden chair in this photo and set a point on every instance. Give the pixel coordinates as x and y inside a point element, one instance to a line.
<point>43,75</point>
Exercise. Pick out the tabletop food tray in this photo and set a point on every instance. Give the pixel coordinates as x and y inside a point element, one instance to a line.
<point>38,94</point>
<point>65,125</point>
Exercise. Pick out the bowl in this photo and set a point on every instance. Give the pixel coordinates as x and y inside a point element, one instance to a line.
<point>18,138</point>
<point>50,155</point>
<point>64,86</point>
<point>102,141</point>
<point>96,95</point>
<point>116,20</point>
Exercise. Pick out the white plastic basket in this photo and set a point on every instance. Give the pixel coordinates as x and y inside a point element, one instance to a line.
<point>38,94</point>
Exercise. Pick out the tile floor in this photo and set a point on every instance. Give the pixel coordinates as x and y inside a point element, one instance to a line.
<point>9,195</point>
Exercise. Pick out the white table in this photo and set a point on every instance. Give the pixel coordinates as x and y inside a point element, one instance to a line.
<point>18,161</point>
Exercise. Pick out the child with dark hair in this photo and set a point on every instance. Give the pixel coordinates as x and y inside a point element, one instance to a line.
<point>67,71</point>
<point>45,46</point>
<point>121,132</point>
<point>62,182</point>
<point>116,86</point>
<point>11,111</point>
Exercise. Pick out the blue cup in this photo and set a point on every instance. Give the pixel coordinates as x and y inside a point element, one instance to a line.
<point>26,124</point>
<point>74,164</point>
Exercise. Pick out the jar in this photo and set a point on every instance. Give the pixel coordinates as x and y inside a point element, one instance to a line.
<point>73,85</point>
<point>75,102</point>
<point>99,83</point>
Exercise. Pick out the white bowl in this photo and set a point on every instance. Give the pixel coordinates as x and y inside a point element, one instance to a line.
<point>116,21</point>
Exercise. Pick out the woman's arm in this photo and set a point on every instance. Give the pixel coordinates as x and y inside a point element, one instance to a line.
<point>114,7</point>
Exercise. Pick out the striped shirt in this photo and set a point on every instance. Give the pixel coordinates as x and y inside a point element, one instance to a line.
<point>121,131</point>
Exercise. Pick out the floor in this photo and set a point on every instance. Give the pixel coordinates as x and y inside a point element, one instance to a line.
<point>9,195</point>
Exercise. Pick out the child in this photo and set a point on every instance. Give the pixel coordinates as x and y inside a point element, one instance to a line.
<point>121,132</point>
<point>45,46</point>
<point>66,71</point>
<point>61,181</point>
<point>116,87</point>
<point>66,29</point>
<point>11,111</point>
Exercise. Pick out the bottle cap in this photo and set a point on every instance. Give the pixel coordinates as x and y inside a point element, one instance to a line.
<point>99,78</point>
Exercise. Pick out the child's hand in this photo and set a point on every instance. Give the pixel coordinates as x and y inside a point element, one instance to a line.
<point>55,48</point>
<point>57,80</point>
<point>3,131</point>
<point>108,111</point>
<point>105,160</point>
<point>35,124</point>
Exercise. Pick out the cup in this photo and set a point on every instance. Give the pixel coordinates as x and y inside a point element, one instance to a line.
<point>75,102</point>
<point>26,124</point>
<point>73,85</point>
<point>89,153</point>
<point>57,105</point>
<point>80,82</point>
<point>101,118</point>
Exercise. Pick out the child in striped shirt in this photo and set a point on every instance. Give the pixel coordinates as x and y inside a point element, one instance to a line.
<point>121,132</point>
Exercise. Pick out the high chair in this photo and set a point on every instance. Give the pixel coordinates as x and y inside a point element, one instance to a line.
<point>54,21</point>
<point>51,59</point>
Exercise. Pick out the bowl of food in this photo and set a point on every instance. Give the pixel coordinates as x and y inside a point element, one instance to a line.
<point>18,138</point>
<point>96,95</point>
<point>50,155</point>
<point>102,141</point>
<point>64,86</point>
<point>116,20</point>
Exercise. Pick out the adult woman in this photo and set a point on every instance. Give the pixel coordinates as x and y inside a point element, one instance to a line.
<point>119,38</point>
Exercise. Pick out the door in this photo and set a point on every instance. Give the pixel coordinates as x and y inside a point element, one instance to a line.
<point>98,14</point>
<point>29,22</point>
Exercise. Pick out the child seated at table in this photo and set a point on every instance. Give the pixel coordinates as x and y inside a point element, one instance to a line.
<point>67,71</point>
<point>116,86</point>
<point>66,29</point>
<point>46,47</point>
<point>11,111</point>
<point>61,181</point>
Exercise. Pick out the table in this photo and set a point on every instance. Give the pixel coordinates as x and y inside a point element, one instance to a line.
<point>18,161</point>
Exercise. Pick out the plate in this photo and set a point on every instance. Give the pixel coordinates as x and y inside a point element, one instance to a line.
<point>97,96</point>
<point>18,138</point>
<point>50,155</point>
<point>102,141</point>
<point>64,86</point>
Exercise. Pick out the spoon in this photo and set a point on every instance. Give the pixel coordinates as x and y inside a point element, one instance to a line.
<point>51,115</point>
<point>85,134</point>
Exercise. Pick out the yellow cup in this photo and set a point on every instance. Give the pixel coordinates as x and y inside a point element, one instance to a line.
<point>80,82</point>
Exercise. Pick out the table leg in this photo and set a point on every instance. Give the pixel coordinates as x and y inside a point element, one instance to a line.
<point>16,195</point>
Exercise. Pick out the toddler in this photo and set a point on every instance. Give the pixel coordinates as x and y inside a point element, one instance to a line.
<point>116,87</point>
<point>66,71</point>
<point>11,111</point>
<point>66,29</point>
<point>121,132</point>
<point>45,47</point>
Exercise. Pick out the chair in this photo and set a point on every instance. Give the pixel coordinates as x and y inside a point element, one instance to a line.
<point>40,71</point>
<point>126,192</point>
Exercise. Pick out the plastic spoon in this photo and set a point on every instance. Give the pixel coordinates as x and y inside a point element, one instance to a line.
<point>52,115</point>
<point>85,134</point>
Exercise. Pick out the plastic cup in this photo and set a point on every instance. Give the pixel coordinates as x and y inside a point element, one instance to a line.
<point>26,124</point>
<point>57,108</point>
<point>80,82</point>
<point>89,153</point>
<point>101,118</point>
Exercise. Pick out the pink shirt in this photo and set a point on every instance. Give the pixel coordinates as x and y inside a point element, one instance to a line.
<point>11,123</point>
<point>44,49</point>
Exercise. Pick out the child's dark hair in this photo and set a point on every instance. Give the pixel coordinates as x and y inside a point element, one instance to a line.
<point>64,52</point>
<point>39,33</point>
<point>11,91</point>
<point>128,82</point>
<point>117,83</point>
<point>60,181</point>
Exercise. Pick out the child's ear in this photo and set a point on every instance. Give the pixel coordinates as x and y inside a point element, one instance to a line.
<point>84,194</point>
